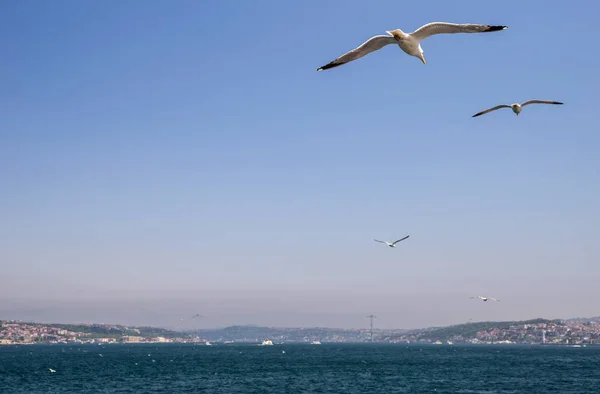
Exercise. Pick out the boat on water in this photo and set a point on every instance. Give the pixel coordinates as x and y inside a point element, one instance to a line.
<point>208,343</point>
<point>315,343</point>
<point>266,342</point>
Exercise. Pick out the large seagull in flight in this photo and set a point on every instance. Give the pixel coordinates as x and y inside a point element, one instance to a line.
<point>391,244</point>
<point>516,108</point>
<point>410,43</point>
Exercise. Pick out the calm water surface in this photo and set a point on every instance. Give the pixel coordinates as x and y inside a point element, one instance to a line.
<point>328,368</point>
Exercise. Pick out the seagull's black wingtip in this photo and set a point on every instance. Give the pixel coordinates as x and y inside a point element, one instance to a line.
<point>497,28</point>
<point>328,66</point>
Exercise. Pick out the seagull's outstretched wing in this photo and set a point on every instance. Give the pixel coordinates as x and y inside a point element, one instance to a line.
<point>540,102</point>
<point>371,45</point>
<point>376,240</point>
<point>491,109</point>
<point>492,298</point>
<point>433,28</point>
<point>401,239</point>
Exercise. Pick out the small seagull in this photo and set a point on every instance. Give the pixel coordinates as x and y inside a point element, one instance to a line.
<point>197,315</point>
<point>517,108</point>
<point>391,244</point>
<point>486,298</point>
<point>410,43</point>
<point>52,370</point>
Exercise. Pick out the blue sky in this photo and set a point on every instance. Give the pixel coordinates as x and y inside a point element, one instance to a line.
<point>189,152</point>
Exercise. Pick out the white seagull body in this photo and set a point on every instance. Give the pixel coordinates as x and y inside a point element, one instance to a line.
<point>52,370</point>
<point>410,43</point>
<point>517,108</point>
<point>486,298</point>
<point>391,244</point>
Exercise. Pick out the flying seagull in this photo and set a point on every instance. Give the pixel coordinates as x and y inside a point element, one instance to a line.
<point>197,315</point>
<point>486,298</point>
<point>409,43</point>
<point>392,244</point>
<point>52,370</point>
<point>517,108</point>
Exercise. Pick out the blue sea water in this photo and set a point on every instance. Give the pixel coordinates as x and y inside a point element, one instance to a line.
<point>328,368</point>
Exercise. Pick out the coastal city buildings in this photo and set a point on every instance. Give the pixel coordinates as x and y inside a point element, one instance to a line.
<point>15,332</point>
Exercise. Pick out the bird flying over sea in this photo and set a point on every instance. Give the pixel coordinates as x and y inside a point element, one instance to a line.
<point>52,370</point>
<point>197,315</point>
<point>517,108</point>
<point>391,244</point>
<point>486,298</point>
<point>410,43</point>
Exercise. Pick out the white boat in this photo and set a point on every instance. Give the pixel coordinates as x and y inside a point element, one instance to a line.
<point>266,342</point>
<point>208,343</point>
<point>315,343</point>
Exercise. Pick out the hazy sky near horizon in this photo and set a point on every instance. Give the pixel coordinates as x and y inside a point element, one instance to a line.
<point>178,157</point>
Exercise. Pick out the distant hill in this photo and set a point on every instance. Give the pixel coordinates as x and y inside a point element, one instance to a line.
<point>252,333</point>
<point>469,330</point>
<point>114,331</point>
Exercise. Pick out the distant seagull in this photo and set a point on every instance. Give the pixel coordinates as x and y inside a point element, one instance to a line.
<point>517,108</point>
<point>409,43</point>
<point>196,315</point>
<point>51,370</point>
<point>392,244</point>
<point>486,298</point>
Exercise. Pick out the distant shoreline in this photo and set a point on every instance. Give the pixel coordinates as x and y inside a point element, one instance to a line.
<point>530,332</point>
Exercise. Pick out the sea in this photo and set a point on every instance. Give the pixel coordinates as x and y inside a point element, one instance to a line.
<point>298,368</point>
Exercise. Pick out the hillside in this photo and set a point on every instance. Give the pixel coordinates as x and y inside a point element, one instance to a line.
<point>470,330</point>
<point>110,331</point>
<point>523,331</point>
